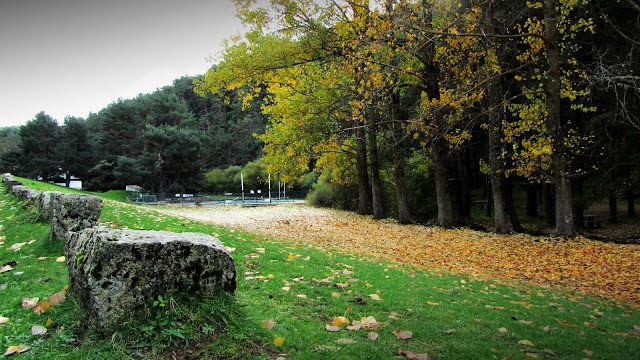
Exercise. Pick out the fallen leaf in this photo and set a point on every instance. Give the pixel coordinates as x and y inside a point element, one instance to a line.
<point>503,330</point>
<point>375,297</point>
<point>403,335</point>
<point>412,274</point>
<point>550,352</point>
<point>17,246</point>
<point>268,324</point>
<point>635,331</point>
<point>29,303</point>
<point>290,257</point>
<point>332,328</point>
<point>42,307</point>
<point>546,328</point>
<point>49,322</point>
<point>369,321</point>
<point>38,330</point>
<point>532,355</point>
<point>339,320</point>
<point>322,348</point>
<point>588,352</point>
<point>278,341</point>
<point>6,268</point>
<point>341,286</point>
<point>412,356</point>
<point>373,336</point>
<point>448,332</point>
<point>344,341</point>
<point>347,272</point>
<point>57,298</point>
<point>3,320</point>
<point>16,350</point>
<point>18,273</point>
<point>302,296</point>
<point>60,259</point>
<point>335,294</point>
<point>525,322</point>
<point>433,303</point>
<point>525,342</point>
<point>286,288</point>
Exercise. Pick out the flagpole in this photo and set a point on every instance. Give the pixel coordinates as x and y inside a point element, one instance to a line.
<point>242,184</point>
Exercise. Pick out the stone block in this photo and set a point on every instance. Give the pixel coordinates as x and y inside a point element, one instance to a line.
<point>72,213</point>
<point>117,273</point>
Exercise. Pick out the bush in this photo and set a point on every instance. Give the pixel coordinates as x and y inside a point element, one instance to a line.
<point>326,193</point>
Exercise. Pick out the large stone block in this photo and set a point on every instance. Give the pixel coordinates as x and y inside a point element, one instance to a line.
<point>44,203</point>
<point>72,213</point>
<point>117,273</point>
<point>20,191</point>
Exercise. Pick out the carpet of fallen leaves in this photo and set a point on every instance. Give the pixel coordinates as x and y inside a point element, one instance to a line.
<point>605,270</point>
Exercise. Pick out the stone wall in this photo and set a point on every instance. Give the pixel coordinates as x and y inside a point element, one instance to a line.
<point>116,273</point>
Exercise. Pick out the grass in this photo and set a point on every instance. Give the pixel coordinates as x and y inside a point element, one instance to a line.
<point>451,316</point>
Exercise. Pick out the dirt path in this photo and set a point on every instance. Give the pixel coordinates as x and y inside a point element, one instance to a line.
<point>601,269</point>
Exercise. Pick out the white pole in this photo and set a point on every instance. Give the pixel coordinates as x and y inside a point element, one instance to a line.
<point>269,188</point>
<point>284,188</point>
<point>242,184</point>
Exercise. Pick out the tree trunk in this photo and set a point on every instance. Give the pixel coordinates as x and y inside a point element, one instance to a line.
<point>511,208</point>
<point>404,211</point>
<point>441,160</point>
<point>532,200</point>
<point>565,225</point>
<point>364,189</point>
<point>376,189</point>
<point>495,117</point>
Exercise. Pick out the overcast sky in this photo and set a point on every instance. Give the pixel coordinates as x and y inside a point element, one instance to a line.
<point>73,57</point>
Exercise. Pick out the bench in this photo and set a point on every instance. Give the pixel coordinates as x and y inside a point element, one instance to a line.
<point>592,221</point>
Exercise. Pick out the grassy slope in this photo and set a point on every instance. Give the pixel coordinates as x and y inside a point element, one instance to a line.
<point>430,305</point>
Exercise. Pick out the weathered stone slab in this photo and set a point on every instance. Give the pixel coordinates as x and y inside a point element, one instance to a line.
<point>45,205</point>
<point>72,213</point>
<point>20,191</point>
<point>116,273</point>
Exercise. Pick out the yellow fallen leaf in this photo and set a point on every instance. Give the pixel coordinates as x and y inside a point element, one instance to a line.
<point>286,288</point>
<point>15,350</point>
<point>60,259</point>
<point>290,257</point>
<point>433,303</point>
<point>335,294</point>
<point>525,342</point>
<point>503,330</point>
<point>302,296</point>
<point>49,322</point>
<point>375,297</point>
<point>278,341</point>
<point>42,307</point>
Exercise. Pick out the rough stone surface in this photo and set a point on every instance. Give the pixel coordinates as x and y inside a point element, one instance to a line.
<point>116,273</point>
<point>72,213</point>
<point>20,191</point>
<point>44,203</point>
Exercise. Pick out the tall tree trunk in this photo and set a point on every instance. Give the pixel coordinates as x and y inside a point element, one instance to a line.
<point>532,200</point>
<point>439,148</point>
<point>376,189</point>
<point>404,211</point>
<point>565,225</point>
<point>364,189</point>
<point>495,117</point>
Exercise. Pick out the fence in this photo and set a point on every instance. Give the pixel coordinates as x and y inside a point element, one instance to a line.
<point>255,196</point>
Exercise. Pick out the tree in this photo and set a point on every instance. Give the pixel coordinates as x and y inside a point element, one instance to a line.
<point>73,150</point>
<point>40,137</point>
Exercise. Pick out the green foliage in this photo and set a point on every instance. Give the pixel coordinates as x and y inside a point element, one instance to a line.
<point>39,138</point>
<point>328,193</point>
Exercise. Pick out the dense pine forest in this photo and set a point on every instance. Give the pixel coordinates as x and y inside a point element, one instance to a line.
<point>404,109</point>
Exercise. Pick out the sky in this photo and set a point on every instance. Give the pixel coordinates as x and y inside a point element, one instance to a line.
<point>75,57</point>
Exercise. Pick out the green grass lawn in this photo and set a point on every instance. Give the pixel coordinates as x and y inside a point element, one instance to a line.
<point>450,316</point>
